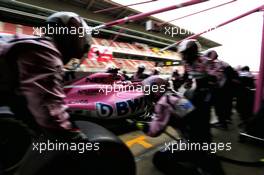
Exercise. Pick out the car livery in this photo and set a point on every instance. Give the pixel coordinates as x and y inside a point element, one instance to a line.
<point>105,96</point>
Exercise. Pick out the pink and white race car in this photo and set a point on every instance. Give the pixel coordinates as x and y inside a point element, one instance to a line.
<point>105,96</point>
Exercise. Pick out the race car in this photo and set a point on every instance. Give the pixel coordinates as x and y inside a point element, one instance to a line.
<point>105,96</point>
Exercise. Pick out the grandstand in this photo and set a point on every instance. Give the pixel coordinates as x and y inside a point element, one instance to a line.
<point>125,46</point>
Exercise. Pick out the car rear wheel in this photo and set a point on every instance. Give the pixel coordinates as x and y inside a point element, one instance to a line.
<point>112,157</point>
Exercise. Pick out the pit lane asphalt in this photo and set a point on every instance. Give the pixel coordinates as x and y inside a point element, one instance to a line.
<point>141,144</point>
<point>144,147</point>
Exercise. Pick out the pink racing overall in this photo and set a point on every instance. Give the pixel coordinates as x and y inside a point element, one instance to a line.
<point>39,76</point>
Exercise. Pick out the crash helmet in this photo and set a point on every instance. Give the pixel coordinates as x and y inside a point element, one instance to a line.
<point>70,33</point>
<point>211,54</point>
<point>175,72</point>
<point>111,68</point>
<point>175,69</point>
<point>156,70</point>
<point>189,50</point>
<point>190,44</point>
<point>141,66</point>
<point>155,86</point>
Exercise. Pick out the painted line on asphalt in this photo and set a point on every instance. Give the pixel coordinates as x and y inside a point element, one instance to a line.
<point>141,140</point>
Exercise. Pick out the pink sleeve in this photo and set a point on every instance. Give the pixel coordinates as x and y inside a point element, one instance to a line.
<point>161,118</point>
<point>40,78</point>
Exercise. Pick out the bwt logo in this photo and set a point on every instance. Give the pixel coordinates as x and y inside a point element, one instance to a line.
<point>120,108</point>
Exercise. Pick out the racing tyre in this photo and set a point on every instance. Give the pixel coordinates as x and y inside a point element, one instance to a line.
<point>15,139</point>
<point>110,156</point>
